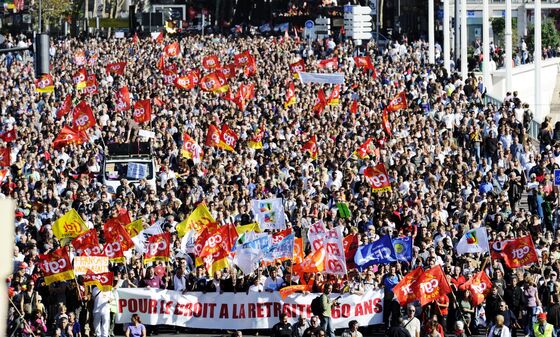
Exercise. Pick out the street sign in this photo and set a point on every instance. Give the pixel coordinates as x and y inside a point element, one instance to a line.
<point>557,177</point>
<point>309,24</point>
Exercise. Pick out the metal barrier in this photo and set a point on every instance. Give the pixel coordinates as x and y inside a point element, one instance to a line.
<point>534,126</point>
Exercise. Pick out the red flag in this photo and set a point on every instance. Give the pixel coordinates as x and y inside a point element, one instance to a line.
<point>364,62</point>
<point>365,149</point>
<point>172,50</point>
<point>222,238</point>
<point>213,136</point>
<point>354,106</point>
<point>5,156</point>
<point>87,244</point>
<point>245,93</point>
<point>79,57</point>
<point>44,83</point>
<point>398,103</point>
<point>228,138</point>
<point>65,107</point>
<point>320,101</point>
<point>56,266</point>
<point>9,135</point>
<point>228,70</point>
<point>431,285</point>
<point>91,85</point>
<point>3,174</point>
<point>161,62</point>
<point>242,59</point>
<point>116,68</point>
<point>296,67</point>
<point>214,82</point>
<point>103,281</point>
<point>184,82</point>
<point>520,252</point>
<point>142,111</point>
<point>290,95</point>
<point>404,290</point>
<point>351,244</point>
<point>311,147</point>
<point>158,248</point>
<point>479,286</point>
<point>80,78</point>
<point>159,38</point>
<point>68,136</point>
<point>251,67</point>
<point>279,236</point>
<point>135,38</point>
<point>169,74</point>
<point>378,178</point>
<point>122,99</point>
<point>328,63</point>
<point>191,149</point>
<point>386,124</point>
<point>83,117</point>
<point>334,97</point>
<point>210,62</point>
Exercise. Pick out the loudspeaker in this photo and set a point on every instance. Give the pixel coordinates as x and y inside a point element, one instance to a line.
<point>42,54</point>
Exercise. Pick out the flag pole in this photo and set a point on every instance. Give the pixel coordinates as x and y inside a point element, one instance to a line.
<point>457,304</point>
<point>21,316</point>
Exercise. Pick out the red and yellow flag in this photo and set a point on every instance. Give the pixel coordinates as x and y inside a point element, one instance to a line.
<point>290,95</point>
<point>56,266</point>
<point>255,142</point>
<point>296,67</point>
<point>334,97</point>
<point>69,226</point>
<point>431,285</point>
<point>311,147</point>
<point>103,281</point>
<point>158,248</point>
<point>378,178</point>
<point>398,102</point>
<point>199,219</point>
<point>44,83</point>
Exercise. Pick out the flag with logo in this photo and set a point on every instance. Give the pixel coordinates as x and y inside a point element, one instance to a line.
<point>3,175</point>
<point>210,62</point>
<point>228,138</point>
<point>80,78</point>
<point>378,178</point>
<point>290,95</point>
<point>431,285</point>
<point>386,123</point>
<point>79,57</point>
<point>479,286</point>
<point>403,248</point>
<point>219,259</point>
<point>141,239</point>
<point>404,290</point>
<point>280,250</point>
<point>67,136</point>
<point>158,248</point>
<point>298,251</point>
<point>255,142</point>
<point>269,213</point>
<point>87,244</point>
<point>320,102</point>
<point>334,97</point>
<point>116,68</point>
<point>398,103</point>
<point>328,63</point>
<point>473,241</point>
<point>83,118</point>
<point>199,219</point>
<point>365,150</point>
<point>311,147</point>
<point>5,156</point>
<point>142,111</point>
<point>247,259</point>
<point>122,98</point>
<point>184,82</point>
<point>228,70</point>
<point>56,266</point>
<point>103,281</point>
<point>213,137</point>
<point>91,85</point>
<point>377,252</point>
<point>312,263</point>
<point>297,67</point>
<point>316,234</point>
<point>65,107</point>
<point>44,84</point>
<point>335,260</point>
<point>364,62</point>
<point>191,149</point>
<point>170,75</point>
<point>134,228</point>
<point>242,59</point>
<point>351,244</point>
<point>172,49</point>
<point>520,252</point>
<point>251,68</point>
<point>69,226</point>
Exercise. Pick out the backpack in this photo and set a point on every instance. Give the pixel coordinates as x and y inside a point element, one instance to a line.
<point>317,306</point>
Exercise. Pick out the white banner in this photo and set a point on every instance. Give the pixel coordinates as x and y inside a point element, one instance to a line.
<point>316,234</point>
<point>321,78</point>
<point>238,311</point>
<point>96,264</point>
<point>335,260</point>
<point>269,213</point>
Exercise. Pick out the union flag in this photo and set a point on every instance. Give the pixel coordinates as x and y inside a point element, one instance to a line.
<point>364,62</point>
<point>328,63</point>
<point>431,285</point>
<point>290,95</point>
<point>365,149</point>
<point>256,141</point>
<point>320,102</point>
<point>68,136</point>
<point>398,103</point>
<point>80,79</point>
<point>191,150</point>
<point>242,59</point>
<point>184,82</point>
<point>5,156</point>
<point>122,98</point>
<point>404,290</point>
<point>520,252</point>
<point>228,70</point>
<point>311,147</point>
<point>172,50</point>
<point>479,286</point>
<point>44,83</point>
<point>386,123</point>
<point>142,111</point>
<point>87,244</point>
<point>158,248</point>
<point>334,97</point>
<point>210,62</point>
<point>296,67</point>
<point>228,138</point>
<point>251,68</point>
<point>65,107</point>
<point>116,68</point>
<point>56,266</point>
<point>354,106</point>
<point>91,85</point>
<point>214,82</point>
<point>83,117</point>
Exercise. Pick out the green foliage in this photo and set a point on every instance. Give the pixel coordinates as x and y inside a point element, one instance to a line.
<point>53,11</point>
<point>109,23</point>
<point>549,35</point>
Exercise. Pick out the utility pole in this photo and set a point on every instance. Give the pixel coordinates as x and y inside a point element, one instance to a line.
<point>456,33</point>
<point>431,37</point>
<point>509,48</point>
<point>464,42</point>
<point>486,45</point>
<point>537,54</point>
<point>446,38</point>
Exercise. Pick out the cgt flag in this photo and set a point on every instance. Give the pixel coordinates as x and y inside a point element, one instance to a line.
<point>5,156</point>
<point>69,226</point>
<point>80,78</point>
<point>44,84</point>
<point>56,266</point>
<point>290,95</point>
<point>520,252</point>
<point>210,62</point>
<point>378,178</point>
<point>479,286</point>
<point>398,103</point>
<point>404,290</point>
<point>320,102</point>
<point>158,248</point>
<point>334,97</point>
<point>83,118</point>
<point>297,67</point>
<point>199,219</point>
<point>122,99</point>
<point>474,241</point>
<point>311,147</point>
<point>65,107</point>
<point>68,136</point>
<point>142,111</point>
<point>431,285</point>
<point>103,281</point>
<point>191,149</point>
<point>377,252</point>
<point>87,244</point>
<point>116,68</point>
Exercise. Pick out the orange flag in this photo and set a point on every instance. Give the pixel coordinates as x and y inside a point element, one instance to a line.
<point>287,291</point>
<point>404,292</point>
<point>298,251</point>
<point>68,136</point>
<point>311,147</point>
<point>479,286</point>
<point>313,263</point>
<point>386,123</point>
<point>398,103</point>
<point>431,285</point>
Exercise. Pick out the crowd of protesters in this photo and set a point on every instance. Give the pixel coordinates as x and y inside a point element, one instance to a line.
<point>454,162</point>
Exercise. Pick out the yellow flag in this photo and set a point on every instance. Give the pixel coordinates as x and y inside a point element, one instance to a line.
<point>198,219</point>
<point>134,228</point>
<point>247,228</point>
<point>69,226</point>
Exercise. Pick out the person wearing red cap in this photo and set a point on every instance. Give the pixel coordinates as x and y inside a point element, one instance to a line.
<point>541,328</point>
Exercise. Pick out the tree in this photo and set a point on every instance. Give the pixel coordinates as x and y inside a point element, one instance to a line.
<point>52,11</point>
<point>549,35</point>
<point>499,29</point>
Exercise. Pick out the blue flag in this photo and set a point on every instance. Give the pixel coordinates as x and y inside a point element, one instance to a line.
<point>261,243</point>
<point>403,248</point>
<point>284,248</point>
<point>380,251</point>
